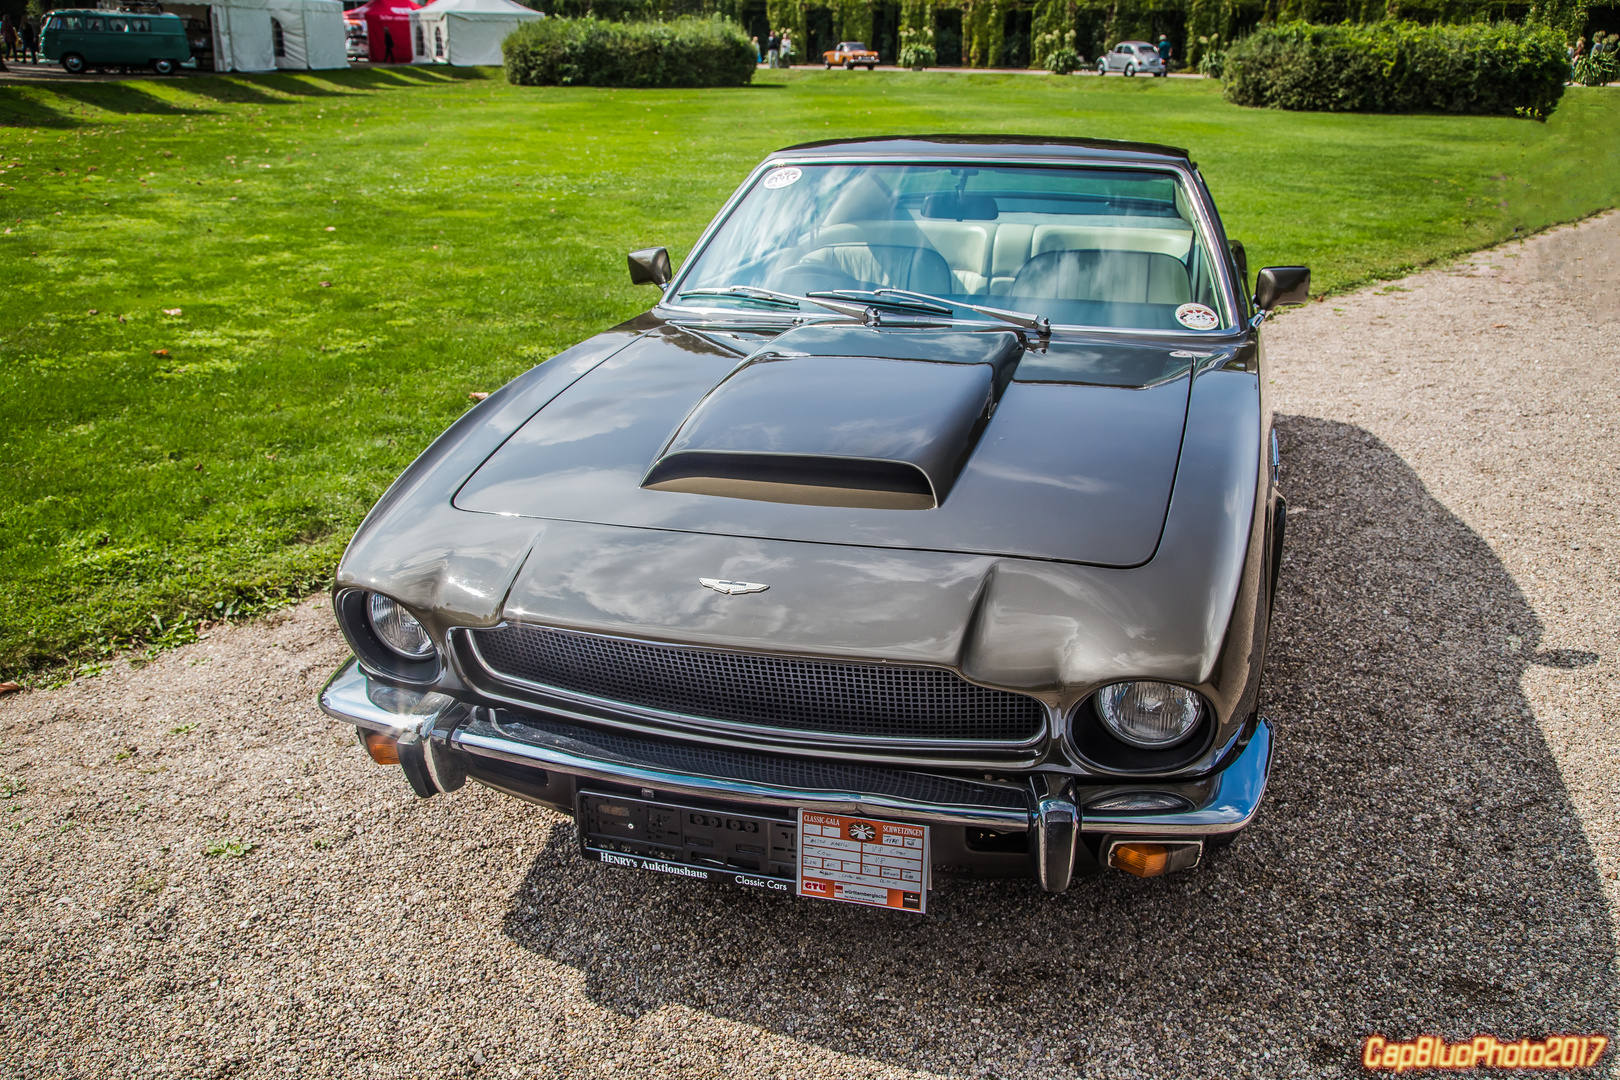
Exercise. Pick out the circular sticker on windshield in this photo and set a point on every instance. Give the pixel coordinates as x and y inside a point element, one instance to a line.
<point>1197,317</point>
<point>782,178</point>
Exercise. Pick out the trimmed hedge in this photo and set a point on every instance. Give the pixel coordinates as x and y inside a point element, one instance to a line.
<point>591,52</point>
<point>1398,67</point>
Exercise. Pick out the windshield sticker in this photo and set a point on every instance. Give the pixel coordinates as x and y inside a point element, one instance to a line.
<point>1195,316</point>
<point>782,178</point>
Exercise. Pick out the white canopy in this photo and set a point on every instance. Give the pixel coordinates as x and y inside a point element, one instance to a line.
<point>312,34</point>
<point>465,32</point>
<point>263,35</point>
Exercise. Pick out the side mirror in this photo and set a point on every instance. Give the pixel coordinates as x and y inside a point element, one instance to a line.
<point>1278,285</point>
<point>650,266</point>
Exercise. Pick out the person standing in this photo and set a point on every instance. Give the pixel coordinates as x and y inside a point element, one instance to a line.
<point>30,42</point>
<point>1165,51</point>
<point>388,46</point>
<point>773,55</point>
<point>787,49</point>
<point>8,37</point>
<point>757,57</point>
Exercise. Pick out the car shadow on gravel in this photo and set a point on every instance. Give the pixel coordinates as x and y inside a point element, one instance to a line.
<point>1417,869</point>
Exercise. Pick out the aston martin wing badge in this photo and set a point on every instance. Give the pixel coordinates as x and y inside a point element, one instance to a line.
<point>731,588</point>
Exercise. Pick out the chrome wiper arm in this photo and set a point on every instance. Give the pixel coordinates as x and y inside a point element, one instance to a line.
<point>879,298</point>
<point>740,292</point>
<point>1038,323</point>
<point>754,292</point>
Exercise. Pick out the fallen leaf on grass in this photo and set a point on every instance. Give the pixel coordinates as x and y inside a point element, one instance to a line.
<point>171,311</point>
<point>197,467</point>
<point>331,228</point>
<point>160,352</point>
<point>9,687</point>
<point>326,284</point>
<point>478,395</point>
<point>93,311</point>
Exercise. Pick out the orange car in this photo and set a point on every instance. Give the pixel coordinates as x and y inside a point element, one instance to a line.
<point>850,53</point>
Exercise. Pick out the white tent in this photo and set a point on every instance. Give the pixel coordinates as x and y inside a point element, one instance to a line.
<point>465,32</point>
<point>308,34</point>
<point>263,35</point>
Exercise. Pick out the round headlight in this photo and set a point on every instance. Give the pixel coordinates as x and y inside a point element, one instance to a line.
<point>1152,715</point>
<point>399,629</point>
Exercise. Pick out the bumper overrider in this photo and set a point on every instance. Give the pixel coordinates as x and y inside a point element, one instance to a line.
<point>1038,823</point>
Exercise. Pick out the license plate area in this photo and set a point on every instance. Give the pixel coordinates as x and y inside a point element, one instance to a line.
<point>688,841</point>
<point>864,860</point>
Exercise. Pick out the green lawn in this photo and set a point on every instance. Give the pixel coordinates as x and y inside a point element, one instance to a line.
<point>351,254</point>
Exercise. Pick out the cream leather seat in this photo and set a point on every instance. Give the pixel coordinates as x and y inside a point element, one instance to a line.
<point>1116,277</point>
<point>885,266</point>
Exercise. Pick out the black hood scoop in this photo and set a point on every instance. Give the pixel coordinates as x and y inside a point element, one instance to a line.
<point>848,435</point>
<point>842,416</point>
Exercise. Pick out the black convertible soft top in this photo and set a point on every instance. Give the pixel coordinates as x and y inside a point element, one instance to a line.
<point>995,146</point>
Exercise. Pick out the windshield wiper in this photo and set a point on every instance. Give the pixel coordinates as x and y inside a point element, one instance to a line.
<point>926,303</point>
<point>776,299</point>
<point>739,292</point>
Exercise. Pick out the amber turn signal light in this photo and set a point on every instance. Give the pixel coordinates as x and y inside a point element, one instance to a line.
<point>1143,860</point>
<point>384,749</point>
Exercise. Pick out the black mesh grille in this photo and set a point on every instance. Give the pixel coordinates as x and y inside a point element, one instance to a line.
<point>878,700</point>
<point>738,765</point>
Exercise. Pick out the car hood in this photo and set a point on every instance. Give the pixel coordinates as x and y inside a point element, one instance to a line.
<point>937,440</point>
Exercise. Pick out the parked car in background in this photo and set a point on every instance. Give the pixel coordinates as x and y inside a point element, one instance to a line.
<point>851,54</point>
<point>855,559</point>
<point>1132,57</point>
<point>85,40</point>
<point>357,44</point>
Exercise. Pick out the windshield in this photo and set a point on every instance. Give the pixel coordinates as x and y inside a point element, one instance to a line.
<point>1080,246</point>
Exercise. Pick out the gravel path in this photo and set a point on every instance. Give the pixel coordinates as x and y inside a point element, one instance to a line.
<point>1438,855</point>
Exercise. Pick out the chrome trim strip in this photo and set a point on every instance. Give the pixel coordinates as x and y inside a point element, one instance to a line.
<point>795,736</point>
<point>347,696</point>
<point>1233,800</point>
<point>555,757</point>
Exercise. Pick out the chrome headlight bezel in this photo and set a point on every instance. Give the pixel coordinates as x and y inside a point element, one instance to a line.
<point>398,629</point>
<point>353,607</point>
<point>1148,714</point>
<point>1099,746</point>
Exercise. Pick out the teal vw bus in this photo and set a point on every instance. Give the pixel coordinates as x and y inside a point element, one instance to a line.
<point>85,40</point>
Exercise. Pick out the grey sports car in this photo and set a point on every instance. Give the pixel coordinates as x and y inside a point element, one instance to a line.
<point>927,523</point>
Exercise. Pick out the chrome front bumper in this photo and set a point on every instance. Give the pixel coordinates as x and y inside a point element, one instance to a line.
<point>434,731</point>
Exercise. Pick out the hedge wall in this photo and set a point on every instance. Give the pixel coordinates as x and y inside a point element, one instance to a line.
<point>1395,67</point>
<point>992,33</point>
<point>593,52</point>
<point>995,33</point>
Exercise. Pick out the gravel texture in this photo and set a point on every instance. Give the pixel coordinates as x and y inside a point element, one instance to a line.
<point>1438,854</point>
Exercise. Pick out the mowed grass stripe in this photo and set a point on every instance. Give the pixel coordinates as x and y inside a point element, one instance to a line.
<point>466,230</point>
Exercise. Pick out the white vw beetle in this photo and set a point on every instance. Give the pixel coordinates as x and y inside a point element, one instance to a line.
<point>1131,57</point>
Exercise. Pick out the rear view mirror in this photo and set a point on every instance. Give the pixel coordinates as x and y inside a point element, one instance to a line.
<point>650,266</point>
<point>1278,285</point>
<point>950,206</point>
